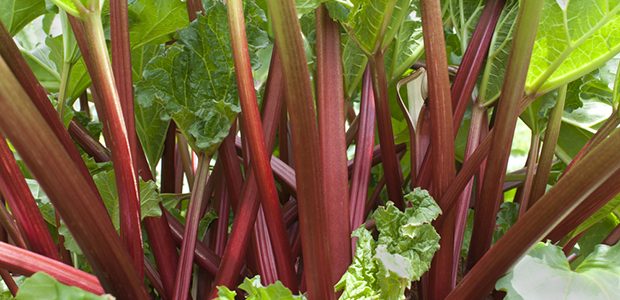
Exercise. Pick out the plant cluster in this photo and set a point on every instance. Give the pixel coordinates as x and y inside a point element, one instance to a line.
<point>320,149</point>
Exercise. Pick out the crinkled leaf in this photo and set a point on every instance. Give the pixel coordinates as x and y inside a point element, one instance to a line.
<point>383,269</point>
<point>359,281</point>
<point>154,21</point>
<point>572,42</point>
<point>194,82</point>
<point>492,78</point>
<point>223,293</point>
<point>256,291</point>
<point>15,14</point>
<point>506,217</point>
<point>194,79</point>
<point>394,273</point>
<point>426,210</point>
<point>597,277</point>
<point>42,286</point>
<point>599,85</point>
<point>399,22</point>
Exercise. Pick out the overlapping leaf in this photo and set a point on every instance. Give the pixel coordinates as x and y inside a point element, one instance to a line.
<point>256,291</point>
<point>106,184</point>
<point>573,39</point>
<point>407,46</point>
<point>15,14</point>
<point>383,269</point>
<point>42,286</point>
<point>194,81</point>
<point>373,24</point>
<point>492,78</point>
<point>597,277</point>
<point>154,21</point>
<point>464,15</point>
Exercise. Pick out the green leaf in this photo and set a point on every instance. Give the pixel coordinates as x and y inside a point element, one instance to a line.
<point>43,202</point>
<point>354,63</point>
<point>42,286</point>
<point>5,293</point>
<point>492,78</point>
<point>149,197</point>
<point>150,126</point>
<point>306,6</point>
<point>572,138</point>
<point>15,14</point>
<point>72,6</point>
<point>106,184</point>
<point>194,81</point>
<point>383,269</point>
<point>536,115</point>
<point>408,45</point>
<point>572,42</point>
<point>79,79</point>
<point>373,24</point>
<point>506,217</point>
<point>464,15</point>
<point>154,21</point>
<point>597,277</point>
<point>359,282</point>
<point>224,293</point>
<point>600,215</point>
<point>594,235</point>
<point>256,291</point>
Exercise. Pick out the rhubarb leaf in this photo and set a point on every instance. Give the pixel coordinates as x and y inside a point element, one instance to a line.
<point>597,277</point>
<point>42,286</point>
<point>15,14</point>
<point>408,45</point>
<point>72,8</point>
<point>154,21</point>
<point>256,291</point>
<point>384,269</point>
<point>492,79</point>
<point>194,81</point>
<point>464,16</point>
<point>106,184</point>
<point>373,24</point>
<point>573,40</point>
<point>354,63</point>
<point>150,126</point>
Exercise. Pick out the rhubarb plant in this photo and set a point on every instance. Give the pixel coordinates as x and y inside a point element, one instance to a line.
<point>320,149</point>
